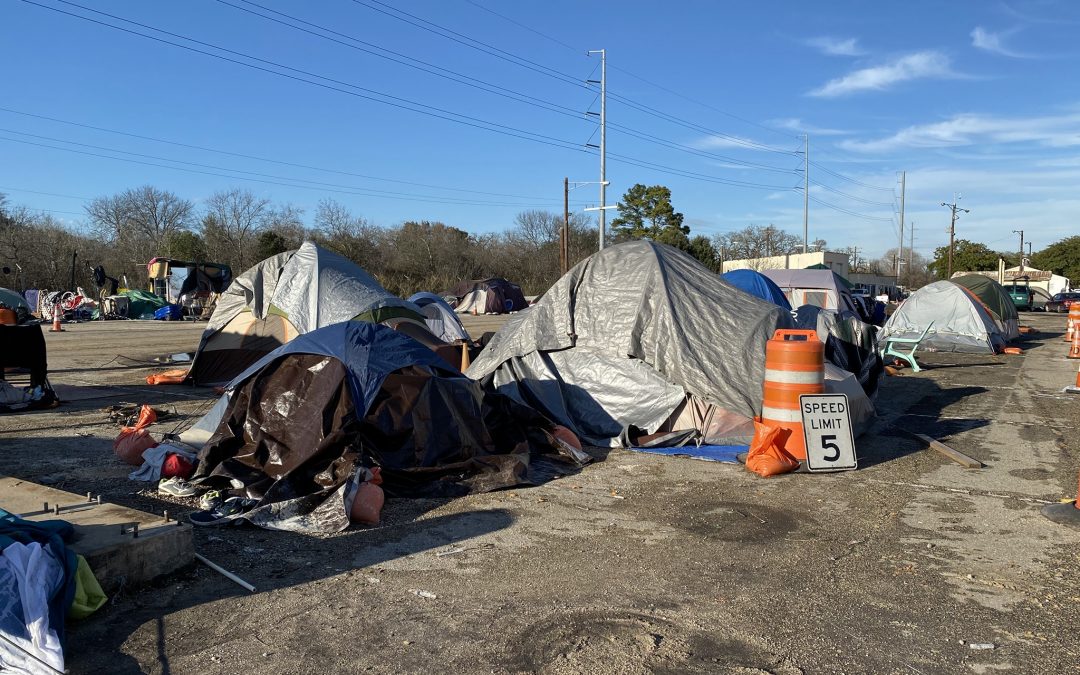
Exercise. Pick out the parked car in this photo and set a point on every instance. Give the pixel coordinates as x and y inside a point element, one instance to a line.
<point>1062,301</point>
<point>1021,296</point>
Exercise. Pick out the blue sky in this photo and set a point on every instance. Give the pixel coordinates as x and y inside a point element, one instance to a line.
<point>708,98</point>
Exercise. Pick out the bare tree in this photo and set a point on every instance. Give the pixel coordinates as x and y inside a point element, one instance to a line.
<point>233,219</point>
<point>351,236</point>
<point>140,222</point>
<point>756,242</point>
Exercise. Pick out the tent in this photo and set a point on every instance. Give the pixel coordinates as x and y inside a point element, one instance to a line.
<point>172,279</point>
<point>486,296</point>
<point>818,287</point>
<point>756,283</point>
<point>850,343</point>
<point>440,317</point>
<point>639,337</point>
<point>287,295</point>
<point>961,322</point>
<point>298,428</point>
<point>996,300</point>
<point>15,302</point>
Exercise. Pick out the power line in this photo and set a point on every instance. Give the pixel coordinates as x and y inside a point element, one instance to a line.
<point>692,174</point>
<point>486,86</point>
<point>850,213</point>
<point>636,77</point>
<point>356,192</point>
<point>852,197</point>
<point>47,194</point>
<point>405,60</point>
<point>370,95</point>
<point>851,180</point>
<point>263,159</point>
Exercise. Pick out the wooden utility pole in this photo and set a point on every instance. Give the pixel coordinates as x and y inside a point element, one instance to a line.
<point>952,230</point>
<point>900,249</point>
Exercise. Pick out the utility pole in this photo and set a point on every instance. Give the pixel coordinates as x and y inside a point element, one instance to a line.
<point>900,250</point>
<point>911,250</point>
<point>855,259</point>
<point>564,238</point>
<point>952,228</point>
<point>603,142</point>
<point>806,193</point>
<point>1021,233</point>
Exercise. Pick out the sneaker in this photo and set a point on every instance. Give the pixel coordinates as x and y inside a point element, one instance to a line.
<point>211,500</point>
<point>177,487</point>
<point>225,512</point>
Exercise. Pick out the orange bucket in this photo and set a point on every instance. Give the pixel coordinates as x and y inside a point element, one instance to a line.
<point>7,317</point>
<point>794,365</point>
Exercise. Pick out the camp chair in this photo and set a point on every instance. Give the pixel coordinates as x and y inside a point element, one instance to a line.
<point>888,348</point>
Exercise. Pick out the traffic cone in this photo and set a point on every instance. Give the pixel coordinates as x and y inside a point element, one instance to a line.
<point>1074,389</point>
<point>57,313</point>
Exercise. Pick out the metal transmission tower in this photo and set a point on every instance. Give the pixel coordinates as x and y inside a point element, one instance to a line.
<point>603,143</point>
<point>952,228</point>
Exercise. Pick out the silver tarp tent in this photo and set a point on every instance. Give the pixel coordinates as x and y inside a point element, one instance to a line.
<point>960,322</point>
<point>643,335</point>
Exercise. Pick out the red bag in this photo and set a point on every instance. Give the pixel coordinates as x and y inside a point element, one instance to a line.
<point>767,456</point>
<point>178,376</point>
<point>132,441</point>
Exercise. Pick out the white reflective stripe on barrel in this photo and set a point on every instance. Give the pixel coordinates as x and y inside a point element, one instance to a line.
<point>795,376</point>
<point>780,414</point>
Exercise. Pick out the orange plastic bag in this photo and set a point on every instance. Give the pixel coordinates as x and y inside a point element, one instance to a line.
<point>178,376</point>
<point>132,441</point>
<point>767,456</point>
<point>1013,350</point>
<point>368,501</point>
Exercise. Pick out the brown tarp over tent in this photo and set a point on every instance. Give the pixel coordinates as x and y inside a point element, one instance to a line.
<point>494,295</point>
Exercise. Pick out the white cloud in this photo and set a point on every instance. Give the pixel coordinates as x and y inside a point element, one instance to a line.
<point>836,46</point>
<point>1054,131</point>
<point>796,124</point>
<point>918,65</point>
<point>992,42</point>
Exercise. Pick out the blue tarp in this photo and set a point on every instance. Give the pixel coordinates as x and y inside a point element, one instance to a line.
<point>370,352</point>
<point>711,453</point>
<point>758,285</point>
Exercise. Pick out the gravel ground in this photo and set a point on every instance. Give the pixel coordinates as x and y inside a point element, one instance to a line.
<point>637,564</point>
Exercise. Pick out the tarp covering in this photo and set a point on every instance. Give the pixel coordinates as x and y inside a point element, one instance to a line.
<point>960,322</point>
<point>850,343</point>
<point>494,295</point>
<point>15,302</point>
<point>298,425</point>
<point>286,295</point>
<point>625,336</point>
<point>993,296</point>
<point>439,317</point>
<point>820,287</point>
<point>756,283</point>
<point>143,304</point>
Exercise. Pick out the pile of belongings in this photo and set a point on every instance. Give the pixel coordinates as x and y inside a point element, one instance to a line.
<point>300,435</point>
<point>42,584</point>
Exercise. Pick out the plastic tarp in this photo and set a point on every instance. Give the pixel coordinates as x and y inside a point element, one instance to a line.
<point>756,283</point>
<point>17,303</point>
<point>440,317</point>
<point>296,428</point>
<point>997,301</point>
<point>303,290</point>
<point>961,323</point>
<point>823,288</point>
<point>626,336</point>
<point>143,304</point>
<point>850,343</point>
<point>494,295</point>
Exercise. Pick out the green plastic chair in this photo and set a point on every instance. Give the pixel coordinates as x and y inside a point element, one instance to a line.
<point>909,356</point>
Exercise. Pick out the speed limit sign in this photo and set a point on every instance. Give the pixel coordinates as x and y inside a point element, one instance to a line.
<point>830,445</point>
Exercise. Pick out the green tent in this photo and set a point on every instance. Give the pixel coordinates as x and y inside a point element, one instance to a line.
<point>997,302</point>
<point>143,304</point>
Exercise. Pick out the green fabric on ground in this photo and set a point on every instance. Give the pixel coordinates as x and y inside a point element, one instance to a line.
<point>88,594</point>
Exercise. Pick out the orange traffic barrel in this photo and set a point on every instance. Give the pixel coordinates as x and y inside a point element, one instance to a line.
<point>794,365</point>
<point>1074,348</point>
<point>1072,324</point>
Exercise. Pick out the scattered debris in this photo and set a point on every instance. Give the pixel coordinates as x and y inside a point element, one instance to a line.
<point>955,455</point>
<point>469,549</point>
<point>981,645</point>
<point>225,573</point>
<point>423,594</point>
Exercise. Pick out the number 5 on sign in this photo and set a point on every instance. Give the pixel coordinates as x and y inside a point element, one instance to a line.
<point>830,445</point>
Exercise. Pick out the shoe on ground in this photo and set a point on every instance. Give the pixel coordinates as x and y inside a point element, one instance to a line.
<point>177,487</point>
